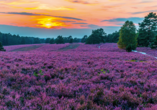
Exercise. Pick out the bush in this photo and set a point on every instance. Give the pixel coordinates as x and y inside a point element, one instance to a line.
<point>1,47</point>
<point>130,47</point>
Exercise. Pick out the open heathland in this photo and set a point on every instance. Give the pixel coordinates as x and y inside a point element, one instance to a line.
<point>82,77</point>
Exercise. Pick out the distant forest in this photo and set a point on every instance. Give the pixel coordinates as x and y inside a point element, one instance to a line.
<point>9,39</point>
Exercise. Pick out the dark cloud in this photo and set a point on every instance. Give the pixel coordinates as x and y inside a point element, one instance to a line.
<point>34,14</point>
<point>70,18</point>
<point>144,11</point>
<point>21,13</point>
<point>93,26</point>
<point>134,19</point>
<point>80,23</point>
<point>68,21</point>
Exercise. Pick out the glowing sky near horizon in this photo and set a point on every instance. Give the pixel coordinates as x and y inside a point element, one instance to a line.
<point>73,14</point>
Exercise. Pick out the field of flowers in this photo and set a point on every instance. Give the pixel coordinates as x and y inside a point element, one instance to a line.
<point>84,78</point>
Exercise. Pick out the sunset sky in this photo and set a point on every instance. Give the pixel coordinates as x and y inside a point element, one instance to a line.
<point>50,18</point>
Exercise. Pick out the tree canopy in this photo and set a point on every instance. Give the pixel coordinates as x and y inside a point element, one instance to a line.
<point>59,40</point>
<point>147,30</point>
<point>97,36</point>
<point>127,35</point>
<point>113,38</point>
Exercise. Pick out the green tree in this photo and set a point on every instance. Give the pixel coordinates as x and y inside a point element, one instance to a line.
<point>153,45</point>
<point>127,36</point>
<point>147,30</point>
<point>52,41</point>
<point>59,40</point>
<point>97,36</point>
<point>113,38</point>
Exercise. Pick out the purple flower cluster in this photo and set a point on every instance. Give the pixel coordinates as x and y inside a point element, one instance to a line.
<point>148,50</point>
<point>85,78</point>
<point>10,48</point>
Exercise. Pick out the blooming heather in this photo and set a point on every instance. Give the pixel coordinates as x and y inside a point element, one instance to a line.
<point>85,78</point>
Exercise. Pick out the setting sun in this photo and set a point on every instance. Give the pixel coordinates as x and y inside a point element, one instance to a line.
<point>50,22</point>
<point>48,25</point>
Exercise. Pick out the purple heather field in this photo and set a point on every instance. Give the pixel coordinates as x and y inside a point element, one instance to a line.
<point>77,77</point>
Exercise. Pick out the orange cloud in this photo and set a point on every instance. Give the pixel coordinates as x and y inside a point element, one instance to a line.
<point>46,7</point>
<point>43,7</point>
<point>87,2</point>
<point>18,2</point>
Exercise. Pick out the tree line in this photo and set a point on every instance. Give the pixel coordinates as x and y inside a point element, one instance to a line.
<point>61,40</point>
<point>128,37</point>
<point>99,36</point>
<point>9,39</point>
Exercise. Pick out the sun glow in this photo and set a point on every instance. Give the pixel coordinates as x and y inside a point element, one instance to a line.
<point>50,23</point>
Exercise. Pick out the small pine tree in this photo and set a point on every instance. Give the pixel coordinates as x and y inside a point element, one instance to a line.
<point>128,36</point>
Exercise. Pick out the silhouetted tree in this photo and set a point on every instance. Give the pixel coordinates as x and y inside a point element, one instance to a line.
<point>70,39</point>
<point>59,40</point>
<point>8,39</point>
<point>52,41</point>
<point>76,40</point>
<point>47,40</point>
<point>83,40</point>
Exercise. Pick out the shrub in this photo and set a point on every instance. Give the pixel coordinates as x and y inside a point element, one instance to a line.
<point>130,47</point>
<point>1,47</point>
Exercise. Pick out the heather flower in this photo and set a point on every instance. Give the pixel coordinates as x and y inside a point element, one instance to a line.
<point>82,78</point>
